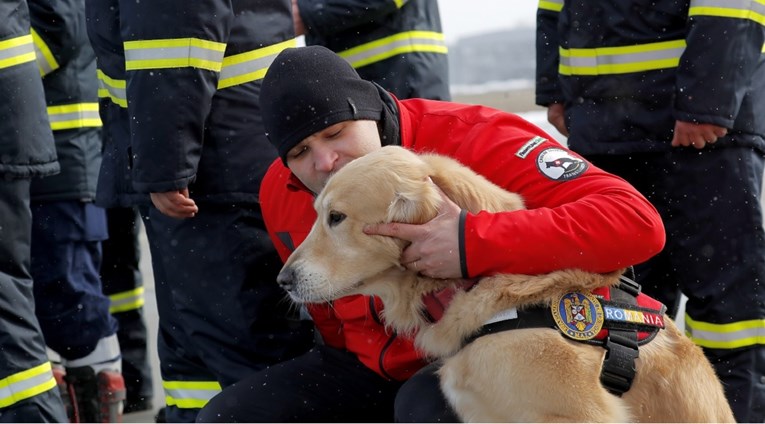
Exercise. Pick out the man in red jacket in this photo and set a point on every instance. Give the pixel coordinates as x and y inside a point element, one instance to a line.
<point>320,115</point>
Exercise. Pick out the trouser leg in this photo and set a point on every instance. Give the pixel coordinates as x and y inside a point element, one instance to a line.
<point>222,316</point>
<point>24,366</point>
<point>323,385</point>
<point>122,282</point>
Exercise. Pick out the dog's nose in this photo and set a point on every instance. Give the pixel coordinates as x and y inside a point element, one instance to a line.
<point>286,278</point>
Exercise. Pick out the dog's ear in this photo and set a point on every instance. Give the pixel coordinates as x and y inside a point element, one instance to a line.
<point>416,201</point>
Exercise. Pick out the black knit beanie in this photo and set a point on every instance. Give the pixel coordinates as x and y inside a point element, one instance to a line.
<point>307,89</point>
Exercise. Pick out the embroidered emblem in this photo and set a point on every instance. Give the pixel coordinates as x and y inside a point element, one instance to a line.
<point>578,315</point>
<point>529,146</point>
<point>560,165</point>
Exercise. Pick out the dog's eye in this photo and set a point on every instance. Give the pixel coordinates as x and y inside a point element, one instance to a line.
<point>335,218</point>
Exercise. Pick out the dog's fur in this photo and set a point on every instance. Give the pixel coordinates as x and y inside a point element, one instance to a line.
<point>528,375</point>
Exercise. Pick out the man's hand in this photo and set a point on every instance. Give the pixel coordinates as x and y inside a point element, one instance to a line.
<point>176,204</point>
<point>555,116</point>
<point>297,21</point>
<point>434,246</point>
<point>696,135</point>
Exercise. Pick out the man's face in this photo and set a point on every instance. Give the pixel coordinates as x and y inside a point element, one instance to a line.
<point>315,158</point>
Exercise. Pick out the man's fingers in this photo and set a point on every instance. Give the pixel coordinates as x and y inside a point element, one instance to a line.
<point>406,232</point>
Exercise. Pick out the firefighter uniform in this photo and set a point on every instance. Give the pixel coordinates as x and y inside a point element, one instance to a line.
<point>27,387</point>
<point>395,43</point>
<point>180,103</point>
<point>625,72</point>
<point>67,228</point>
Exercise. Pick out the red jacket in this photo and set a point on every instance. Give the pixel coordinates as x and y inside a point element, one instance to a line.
<point>578,216</point>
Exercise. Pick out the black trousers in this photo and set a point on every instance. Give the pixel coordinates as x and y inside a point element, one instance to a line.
<point>21,339</point>
<point>328,385</point>
<point>221,314</point>
<point>709,201</point>
<point>121,276</point>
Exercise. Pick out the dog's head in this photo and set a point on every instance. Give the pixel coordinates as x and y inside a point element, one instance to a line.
<point>337,259</point>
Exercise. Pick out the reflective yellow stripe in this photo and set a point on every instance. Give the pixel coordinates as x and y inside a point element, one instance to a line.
<point>621,60</point>
<point>190,394</point>
<point>250,66</point>
<point>401,43</point>
<point>400,3</point>
<point>45,60</point>
<point>26,384</point>
<point>78,115</point>
<point>16,51</point>
<point>726,336</point>
<point>112,89</point>
<point>126,301</point>
<point>174,53</point>
<point>551,5</point>
<point>753,10</point>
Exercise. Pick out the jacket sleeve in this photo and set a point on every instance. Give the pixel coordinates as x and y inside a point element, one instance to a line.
<point>56,31</point>
<point>578,216</point>
<point>548,89</point>
<point>326,17</point>
<point>724,47</point>
<point>173,55</point>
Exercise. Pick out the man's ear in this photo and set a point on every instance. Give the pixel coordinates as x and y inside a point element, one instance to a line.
<point>416,202</point>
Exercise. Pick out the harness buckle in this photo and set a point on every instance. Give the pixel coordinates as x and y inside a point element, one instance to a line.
<point>619,365</point>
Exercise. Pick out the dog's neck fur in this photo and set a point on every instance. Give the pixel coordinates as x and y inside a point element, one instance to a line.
<point>401,291</point>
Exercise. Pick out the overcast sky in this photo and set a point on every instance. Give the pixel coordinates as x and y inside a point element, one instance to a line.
<point>469,17</point>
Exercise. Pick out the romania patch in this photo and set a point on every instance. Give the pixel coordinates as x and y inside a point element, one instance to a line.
<point>578,315</point>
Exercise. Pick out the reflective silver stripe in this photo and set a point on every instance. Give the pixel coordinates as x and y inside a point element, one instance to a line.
<point>726,336</point>
<point>26,384</point>
<point>190,394</point>
<point>401,43</point>
<point>250,66</point>
<point>551,5</point>
<point>16,51</point>
<point>126,301</point>
<point>45,59</point>
<point>79,115</point>
<point>621,60</point>
<point>743,9</point>
<point>112,89</point>
<point>173,53</point>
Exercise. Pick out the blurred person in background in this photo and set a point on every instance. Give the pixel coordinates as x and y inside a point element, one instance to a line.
<point>179,100</point>
<point>67,227</point>
<point>397,44</point>
<point>28,391</point>
<point>670,95</point>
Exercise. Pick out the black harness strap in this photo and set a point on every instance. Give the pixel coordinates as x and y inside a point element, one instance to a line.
<point>621,346</point>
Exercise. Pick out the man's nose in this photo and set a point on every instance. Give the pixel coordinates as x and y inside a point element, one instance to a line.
<point>325,160</point>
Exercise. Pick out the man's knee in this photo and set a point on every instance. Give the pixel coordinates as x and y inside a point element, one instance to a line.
<point>420,399</point>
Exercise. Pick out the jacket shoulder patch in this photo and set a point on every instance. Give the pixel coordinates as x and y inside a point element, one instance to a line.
<point>529,146</point>
<point>560,165</point>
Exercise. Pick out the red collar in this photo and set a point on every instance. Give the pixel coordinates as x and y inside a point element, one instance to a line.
<point>436,302</point>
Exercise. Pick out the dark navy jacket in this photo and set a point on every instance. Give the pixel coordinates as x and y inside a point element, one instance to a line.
<point>68,65</point>
<point>26,142</point>
<point>180,84</point>
<point>395,43</point>
<point>627,70</point>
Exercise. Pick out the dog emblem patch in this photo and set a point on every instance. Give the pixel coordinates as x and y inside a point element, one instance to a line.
<point>578,315</point>
<point>560,165</point>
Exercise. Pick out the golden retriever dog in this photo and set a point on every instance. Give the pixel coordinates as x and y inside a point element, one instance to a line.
<point>526,375</point>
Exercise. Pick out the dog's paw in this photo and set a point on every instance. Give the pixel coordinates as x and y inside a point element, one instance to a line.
<point>435,341</point>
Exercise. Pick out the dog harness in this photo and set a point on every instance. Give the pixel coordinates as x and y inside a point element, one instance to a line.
<point>619,319</point>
